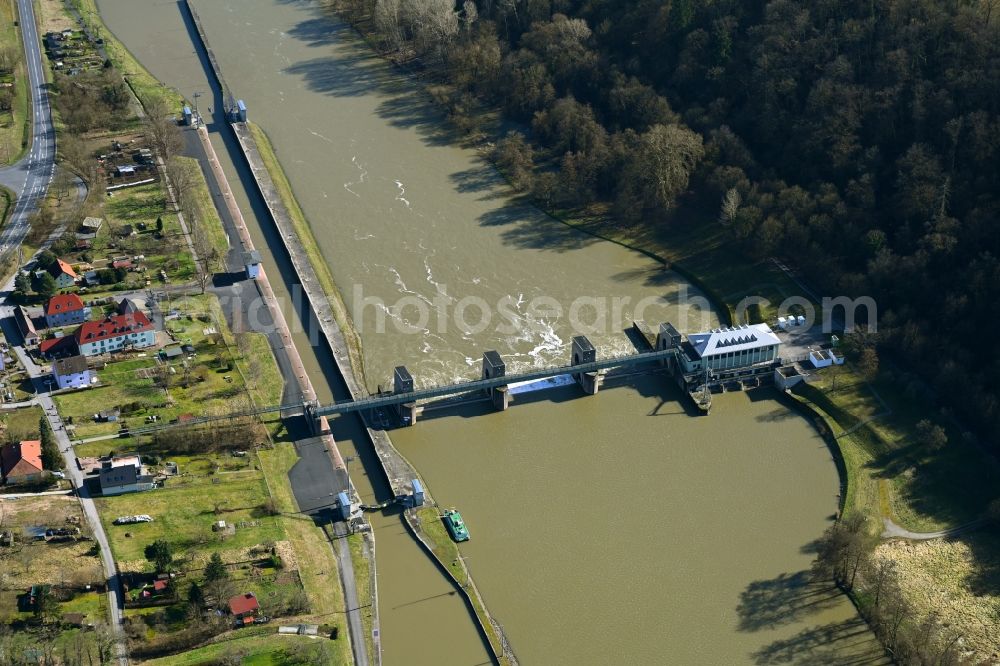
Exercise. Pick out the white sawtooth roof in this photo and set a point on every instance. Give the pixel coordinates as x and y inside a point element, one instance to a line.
<point>737,338</point>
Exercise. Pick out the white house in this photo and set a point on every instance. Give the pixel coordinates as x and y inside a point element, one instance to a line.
<point>71,372</point>
<point>124,475</point>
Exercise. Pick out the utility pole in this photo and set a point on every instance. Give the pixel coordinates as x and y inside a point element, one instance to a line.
<point>197,118</point>
<point>347,466</point>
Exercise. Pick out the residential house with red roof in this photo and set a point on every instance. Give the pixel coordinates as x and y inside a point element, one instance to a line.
<point>115,333</point>
<point>22,462</point>
<point>63,273</point>
<point>57,347</point>
<point>244,607</point>
<point>66,309</point>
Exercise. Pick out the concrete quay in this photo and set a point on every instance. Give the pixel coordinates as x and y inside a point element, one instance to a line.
<point>399,472</point>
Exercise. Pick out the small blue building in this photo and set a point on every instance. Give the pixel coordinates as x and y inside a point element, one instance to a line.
<point>241,111</point>
<point>344,504</point>
<point>418,493</point>
<point>188,116</point>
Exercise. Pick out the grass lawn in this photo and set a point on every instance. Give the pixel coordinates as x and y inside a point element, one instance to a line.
<point>445,548</point>
<point>210,488</point>
<point>92,604</point>
<point>15,131</point>
<point>363,581</point>
<point>207,219</point>
<point>888,473</point>
<point>21,423</point>
<point>264,650</point>
<point>30,562</point>
<point>216,377</point>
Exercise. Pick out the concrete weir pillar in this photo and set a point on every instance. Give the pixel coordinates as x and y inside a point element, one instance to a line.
<point>584,352</point>
<point>402,382</point>
<point>668,337</point>
<point>315,422</point>
<point>494,366</point>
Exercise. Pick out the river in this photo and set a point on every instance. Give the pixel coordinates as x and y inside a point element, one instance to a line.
<point>607,529</point>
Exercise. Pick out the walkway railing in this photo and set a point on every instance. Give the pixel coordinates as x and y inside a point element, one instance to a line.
<point>375,402</point>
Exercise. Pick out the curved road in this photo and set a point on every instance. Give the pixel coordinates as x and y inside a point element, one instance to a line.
<point>30,177</point>
<point>894,531</point>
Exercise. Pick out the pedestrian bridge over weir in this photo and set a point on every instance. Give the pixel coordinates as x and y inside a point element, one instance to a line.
<point>408,402</point>
<point>585,367</point>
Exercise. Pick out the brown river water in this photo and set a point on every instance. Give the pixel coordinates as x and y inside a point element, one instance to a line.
<point>610,529</point>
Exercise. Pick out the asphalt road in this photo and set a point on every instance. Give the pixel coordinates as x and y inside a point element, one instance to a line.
<point>44,400</point>
<point>30,177</point>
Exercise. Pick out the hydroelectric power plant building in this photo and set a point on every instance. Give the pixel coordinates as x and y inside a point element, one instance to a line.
<point>732,348</point>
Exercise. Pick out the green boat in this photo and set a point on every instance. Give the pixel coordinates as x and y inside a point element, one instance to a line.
<point>456,526</point>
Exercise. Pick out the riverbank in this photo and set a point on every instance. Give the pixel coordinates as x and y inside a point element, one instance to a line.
<point>870,425</point>
<point>143,84</point>
<point>398,471</point>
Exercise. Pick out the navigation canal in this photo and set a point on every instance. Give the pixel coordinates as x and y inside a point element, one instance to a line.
<point>608,529</point>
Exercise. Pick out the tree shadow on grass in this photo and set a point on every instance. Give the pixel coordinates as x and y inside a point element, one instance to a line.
<point>766,604</point>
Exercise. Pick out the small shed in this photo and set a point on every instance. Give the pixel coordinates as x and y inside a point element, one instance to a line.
<point>188,116</point>
<point>171,352</point>
<point>820,358</point>
<point>91,225</point>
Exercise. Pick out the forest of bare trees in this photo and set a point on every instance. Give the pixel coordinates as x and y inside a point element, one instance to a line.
<point>860,141</point>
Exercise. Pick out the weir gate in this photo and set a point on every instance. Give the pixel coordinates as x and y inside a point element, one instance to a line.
<point>661,351</point>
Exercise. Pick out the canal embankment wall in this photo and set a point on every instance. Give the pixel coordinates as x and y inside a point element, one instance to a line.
<point>398,471</point>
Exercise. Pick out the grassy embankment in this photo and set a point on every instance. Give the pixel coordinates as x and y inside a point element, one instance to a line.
<point>448,554</point>
<point>312,250</point>
<point>145,86</point>
<point>441,549</point>
<point>15,130</point>
<point>365,587</point>
<point>207,221</point>
<point>262,650</point>
<point>209,486</point>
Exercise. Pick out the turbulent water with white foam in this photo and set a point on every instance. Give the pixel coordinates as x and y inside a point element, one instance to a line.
<point>607,529</point>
